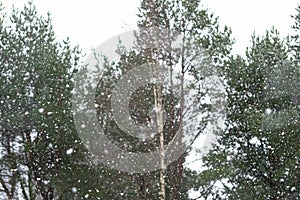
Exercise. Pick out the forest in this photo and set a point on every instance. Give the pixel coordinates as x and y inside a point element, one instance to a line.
<point>121,123</point>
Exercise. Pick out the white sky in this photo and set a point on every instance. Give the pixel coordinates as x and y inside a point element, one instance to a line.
<point>245,17</point>
<point>88,23</point>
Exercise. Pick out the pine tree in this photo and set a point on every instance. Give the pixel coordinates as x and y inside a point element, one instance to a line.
<point>36,122</point>
<point>256,156</point>
<point>159,20</point>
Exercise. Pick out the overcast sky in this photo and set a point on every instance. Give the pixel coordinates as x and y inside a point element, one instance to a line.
<point>88,23</point>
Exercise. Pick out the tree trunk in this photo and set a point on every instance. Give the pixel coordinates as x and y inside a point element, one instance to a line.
<point>159,117</point>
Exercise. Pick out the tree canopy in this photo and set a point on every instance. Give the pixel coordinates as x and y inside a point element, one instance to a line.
<point>180,43</point>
